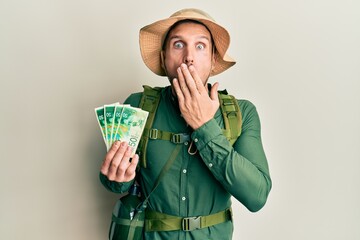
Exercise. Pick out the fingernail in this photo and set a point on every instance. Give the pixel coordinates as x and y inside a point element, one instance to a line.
<point>117,143</point>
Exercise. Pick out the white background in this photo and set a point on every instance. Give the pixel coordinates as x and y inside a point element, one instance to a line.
<point>297,61</point>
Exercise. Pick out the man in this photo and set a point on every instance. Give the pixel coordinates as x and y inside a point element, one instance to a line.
<point>188,48</point>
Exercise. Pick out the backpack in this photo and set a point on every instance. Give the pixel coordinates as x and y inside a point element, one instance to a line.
<point>150,102</point>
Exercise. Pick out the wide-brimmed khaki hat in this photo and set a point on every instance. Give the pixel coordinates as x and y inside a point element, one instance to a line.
<point>153,35</point>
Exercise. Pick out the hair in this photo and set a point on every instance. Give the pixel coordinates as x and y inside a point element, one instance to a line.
<point>166,38</point>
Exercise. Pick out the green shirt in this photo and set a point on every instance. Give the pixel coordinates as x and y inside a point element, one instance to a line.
<point>202,184</point>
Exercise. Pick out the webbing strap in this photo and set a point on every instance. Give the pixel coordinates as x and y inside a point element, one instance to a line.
<point>156,221</point>
<point>177,138</point>
<point>149,102</point>
<point>135,223</point>
<point>127,222</point>
<point>232,117</point>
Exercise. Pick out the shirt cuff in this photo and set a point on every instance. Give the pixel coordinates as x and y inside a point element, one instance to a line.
<point>204,134</point>
<point>116,187</point>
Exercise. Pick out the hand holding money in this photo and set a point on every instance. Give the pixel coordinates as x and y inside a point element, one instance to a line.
<point>121,127</point>
<point>117,165</point>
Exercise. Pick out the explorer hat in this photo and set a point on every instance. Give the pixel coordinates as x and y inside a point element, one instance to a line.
<point>152,37</point>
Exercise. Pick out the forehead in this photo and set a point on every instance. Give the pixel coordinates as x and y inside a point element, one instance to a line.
<point>188,29</point>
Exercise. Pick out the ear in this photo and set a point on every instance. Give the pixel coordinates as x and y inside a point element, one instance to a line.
<point>162,59</point>
<point>213,61</point>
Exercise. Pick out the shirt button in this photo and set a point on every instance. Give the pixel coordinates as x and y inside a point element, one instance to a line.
<point>186,143</point>
<point>184,171</point>
<point>196,140</point>
<point>210,164</point>
<point>183,198</point>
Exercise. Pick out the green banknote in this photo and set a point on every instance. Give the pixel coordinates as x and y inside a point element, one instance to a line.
<point>116,133</point>
<point>100,115</point>
<point>132,125</point>
<point>109,112</point>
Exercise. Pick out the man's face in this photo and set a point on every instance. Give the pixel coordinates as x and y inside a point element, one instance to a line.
<point>189,43</point>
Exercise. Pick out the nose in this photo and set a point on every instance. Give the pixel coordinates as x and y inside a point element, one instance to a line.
<point>189,61</point>
<point>188,57</point>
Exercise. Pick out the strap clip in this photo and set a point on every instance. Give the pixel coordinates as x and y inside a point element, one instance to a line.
<point>180,138</point>
<point>153,133</point>
<point>190,223</point>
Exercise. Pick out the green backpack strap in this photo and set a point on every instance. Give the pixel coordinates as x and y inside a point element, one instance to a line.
<point>149,102</point>
<point>231,115</point>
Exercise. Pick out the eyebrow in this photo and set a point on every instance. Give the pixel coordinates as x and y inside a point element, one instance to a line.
<point>179,37</point>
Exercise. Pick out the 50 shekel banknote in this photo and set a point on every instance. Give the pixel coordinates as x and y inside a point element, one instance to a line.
<point>121,123</point>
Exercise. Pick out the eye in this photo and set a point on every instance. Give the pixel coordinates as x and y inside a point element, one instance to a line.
<point>178,45</point>
<point>200,46</point>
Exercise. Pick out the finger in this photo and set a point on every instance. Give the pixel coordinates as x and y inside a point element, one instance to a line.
<point>113,168</point>
<point>125,161</point>
<point>214,92</point>
<point>108,157</point>
<point>131,170</point>
<point>197,80</point>
<point>177,89</point>
<point>188,79</point>
<point>182,81</point>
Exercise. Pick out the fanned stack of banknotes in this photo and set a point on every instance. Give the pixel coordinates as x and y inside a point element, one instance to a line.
<point>121,123</point>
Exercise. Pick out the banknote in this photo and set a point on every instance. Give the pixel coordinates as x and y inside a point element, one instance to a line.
<point>109,111</point>
<point>116,134</point>
<point>132,123</point>
<point>100,115</point>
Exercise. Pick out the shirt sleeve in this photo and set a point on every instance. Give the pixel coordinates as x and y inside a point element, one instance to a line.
<point>242,169</point>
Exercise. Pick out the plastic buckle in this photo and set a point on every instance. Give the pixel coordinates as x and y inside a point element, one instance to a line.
<point>180,138</point>
<point>153,134</point>
<point>191,223</point>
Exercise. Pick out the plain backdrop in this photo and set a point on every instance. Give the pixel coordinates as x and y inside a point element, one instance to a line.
<point>297,61</point>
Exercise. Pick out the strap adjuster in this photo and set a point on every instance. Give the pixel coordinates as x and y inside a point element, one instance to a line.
<point>153,133</point>
<point>227,102</point>
<point>190,223</point>
<point>180,138</point>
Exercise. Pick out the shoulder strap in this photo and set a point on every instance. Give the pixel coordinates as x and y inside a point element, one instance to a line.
<point>149,102</point>
<point>231,115</point>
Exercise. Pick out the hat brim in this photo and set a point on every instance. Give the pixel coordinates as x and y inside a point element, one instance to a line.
<point>151,40</point>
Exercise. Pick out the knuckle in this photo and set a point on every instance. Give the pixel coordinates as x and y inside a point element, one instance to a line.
<point>113,165</point>
<point>108,157</point>
<point>130,170</point>
<point>120,170</point>
<point>128,153</point>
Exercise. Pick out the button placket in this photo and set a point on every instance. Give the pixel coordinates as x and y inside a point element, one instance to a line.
<point>183,197</point>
